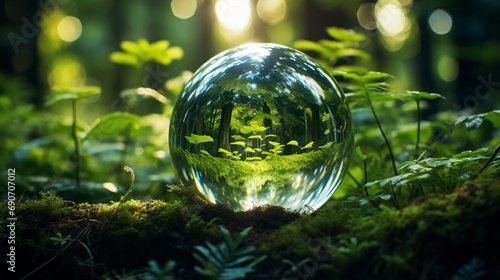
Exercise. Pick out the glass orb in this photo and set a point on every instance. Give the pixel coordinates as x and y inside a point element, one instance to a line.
<point>262,124</point>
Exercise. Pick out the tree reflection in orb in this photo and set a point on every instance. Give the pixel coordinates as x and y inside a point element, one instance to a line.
<point>262,124</point>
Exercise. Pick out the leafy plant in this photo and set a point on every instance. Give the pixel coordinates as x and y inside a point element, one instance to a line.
<point>228,260</point>
<point>343,47</point>
<point>196,139</point>
<point>138,53</point>
<point>73,94</point>
<point>371,99</point>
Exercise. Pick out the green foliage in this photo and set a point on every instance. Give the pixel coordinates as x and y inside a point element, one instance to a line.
<point>444,173</point>
<point>62,93</point>
<point>228,260</point>
<point>111,125</point>
<point>373,100</point>
<point>474,121</point>
<point>138,53</point>
<point>59,240</point>
<point>196,139</point>
<point>155,272</point>
<point>470,271</point>
<point>344,46</point>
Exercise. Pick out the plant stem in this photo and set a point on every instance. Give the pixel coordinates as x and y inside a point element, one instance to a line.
<point>393,160</point>
<point>419,116</point>
<point>366,189</point>
<point>77,145</point>
<point>491,158</point>
<point>365,175</point>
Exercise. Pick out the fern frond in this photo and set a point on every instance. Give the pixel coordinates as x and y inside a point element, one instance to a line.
<point>227,260</point>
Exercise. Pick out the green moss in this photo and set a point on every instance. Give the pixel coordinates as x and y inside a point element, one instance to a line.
<point>429,239</point>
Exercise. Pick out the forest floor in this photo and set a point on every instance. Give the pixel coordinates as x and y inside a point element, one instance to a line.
<point>445,236</point>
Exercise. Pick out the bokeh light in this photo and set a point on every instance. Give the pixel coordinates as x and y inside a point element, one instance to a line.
<point>366,16</point>
<point>233,15</point>
<point>448,69</point>
<point>271,11</point>
<point>393,23</point>
<point>69,29</point>
<point>391,20</point>
<point>440,22</point>
<point>66,72</point>
<point>183,9</point>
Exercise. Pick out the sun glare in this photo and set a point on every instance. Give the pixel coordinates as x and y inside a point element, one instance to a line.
<point>233,15</point>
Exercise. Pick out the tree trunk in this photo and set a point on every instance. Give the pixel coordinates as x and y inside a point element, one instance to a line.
<point>224,128</point>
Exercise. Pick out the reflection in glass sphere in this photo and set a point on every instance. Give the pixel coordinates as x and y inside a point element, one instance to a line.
<point>262,124</point>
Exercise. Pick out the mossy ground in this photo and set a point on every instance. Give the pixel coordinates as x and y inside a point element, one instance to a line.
<point>431,238</point>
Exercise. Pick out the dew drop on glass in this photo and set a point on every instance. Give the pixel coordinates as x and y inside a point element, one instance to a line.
<point>262,124</point>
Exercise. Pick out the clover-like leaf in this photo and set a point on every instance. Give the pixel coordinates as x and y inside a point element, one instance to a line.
<point>198,139</point>
<point>65,93</point>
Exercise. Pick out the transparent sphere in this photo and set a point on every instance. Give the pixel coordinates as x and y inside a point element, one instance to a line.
<point>262,124</point>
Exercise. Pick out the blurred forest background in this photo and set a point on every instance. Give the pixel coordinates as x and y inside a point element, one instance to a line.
<point>448,47</point>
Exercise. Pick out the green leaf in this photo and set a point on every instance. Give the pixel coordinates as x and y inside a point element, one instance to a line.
<point>198,139</point>
<point>346,35</point>
<point>224,151</point>
<point>255,137</point>
<point>306,45</point>
<point>175,52</point>
<point>159,46</point>
<point>475,121</point>
<point>142,92</point>
<point>130,47</point>
<point>111,125</point>
<point>346,52</point>
<point>63,93</point>
<point>237,137</point>
<point>326,117</point>
<point>360,154</point>
<point>270,136</point>
<point>376,76</point>
<point>249,150</point>
<point>204,152</point>
<point>419,95</point>
<point>293,143</point>
<point>238,143</point>
<point>252,128</point>
<point>274,143</point>
<point>308,146</point>
<point>124,58</point>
